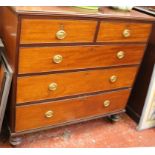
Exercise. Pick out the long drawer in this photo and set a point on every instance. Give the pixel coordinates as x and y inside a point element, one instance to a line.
<point>45,59</point>
<point>57,31</point>
<point>57,112</point>
<point>41,87</point>
<point>123,32</point>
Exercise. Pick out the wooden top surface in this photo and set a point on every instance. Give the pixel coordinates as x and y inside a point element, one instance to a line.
<point>146,9</point>
<point>105,12</point>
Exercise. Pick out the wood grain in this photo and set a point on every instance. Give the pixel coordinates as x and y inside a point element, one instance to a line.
<point>44,30</point>
<point>33,116</point>
<point>74,12</point>
<point>39,26</point>
<point>112,32</point>
<point>9,34</point>
<point>40,59</point>
<point>35,88</point>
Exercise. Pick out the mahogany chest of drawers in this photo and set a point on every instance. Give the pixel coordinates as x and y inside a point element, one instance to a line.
<point>69,64</point>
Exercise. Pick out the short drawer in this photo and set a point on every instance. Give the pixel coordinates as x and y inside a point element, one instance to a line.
<point>123,32</point>
<point>45,59</point>
<point>41,87</point>
<point>56,31</point>
<point>63,111</point>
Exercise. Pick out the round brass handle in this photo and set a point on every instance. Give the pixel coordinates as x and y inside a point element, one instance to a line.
<point>106,103</point>
<point>113,78</point>
<point>53,86</point>
<point>120,54</point>
<point>126,33</point>
<point>61,34</point>
<point>49,114</point>
<point>57,59</point>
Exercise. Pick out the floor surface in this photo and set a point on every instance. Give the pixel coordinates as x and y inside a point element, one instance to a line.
<point>98,133</point>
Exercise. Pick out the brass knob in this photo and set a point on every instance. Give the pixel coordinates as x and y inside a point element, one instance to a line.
<point>53,86</point>
<point>106,103</point>
<point>61,34</point>
<point>49,114</point>
<point>57,59</point>
<point>120,54</point>
<point>126,33</point>
<point>113,78</point>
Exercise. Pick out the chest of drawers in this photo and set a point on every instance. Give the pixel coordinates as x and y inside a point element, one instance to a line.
<point>70,65</point>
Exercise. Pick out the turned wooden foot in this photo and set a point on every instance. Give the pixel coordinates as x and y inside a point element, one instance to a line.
<point>15,141</point>
<point>114,118</point>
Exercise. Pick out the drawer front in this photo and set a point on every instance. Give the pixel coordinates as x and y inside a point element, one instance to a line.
<point>35,88</point>
<point>123,32</point>
<point>44,59</point>
<point>56,31</point>
<point>52,113</point>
